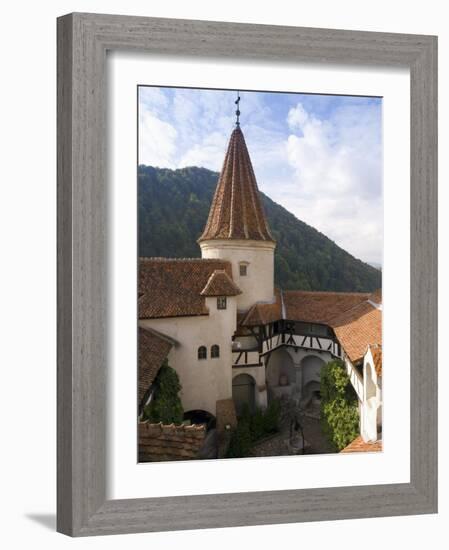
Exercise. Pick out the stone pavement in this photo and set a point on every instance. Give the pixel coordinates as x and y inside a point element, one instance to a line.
<point>278,444</point>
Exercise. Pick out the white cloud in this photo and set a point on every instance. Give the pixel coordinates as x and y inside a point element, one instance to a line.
<point>153,98</point>
<point>297,116</point>
<point>337,170</point>
<point>209,153</point>
<point>327,169</point>
<point>157,141</point>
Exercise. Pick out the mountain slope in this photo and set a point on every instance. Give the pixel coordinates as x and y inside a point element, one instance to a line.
<point>173,209</point>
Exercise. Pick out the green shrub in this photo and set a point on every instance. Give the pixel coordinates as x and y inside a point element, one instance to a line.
<point>257,425</point>
<point>166,406</point>
<point>272,416</point>
<point>339,407</point>
<point>240,444</point>
<point>252,427</point>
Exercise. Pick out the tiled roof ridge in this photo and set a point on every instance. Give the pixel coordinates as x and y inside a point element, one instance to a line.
<point>173,427</point>
<point>160,335</point>
<point>334,320</point>
<point>366,324</point>
<point>283,309</point>
<point>180,260</point>
<point>329,292</point>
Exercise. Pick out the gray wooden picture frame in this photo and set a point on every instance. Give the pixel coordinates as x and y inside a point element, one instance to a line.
<point>83,40</point>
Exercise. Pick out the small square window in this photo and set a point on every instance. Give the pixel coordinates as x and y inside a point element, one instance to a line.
<point>221,302</point>
<point>243,270</point>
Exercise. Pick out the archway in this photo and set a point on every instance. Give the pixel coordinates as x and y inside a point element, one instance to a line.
<point>201,417</point>
<point>312,392</point>
<point>243,393</point>
<point>280,369</point>
<point>311,366</point>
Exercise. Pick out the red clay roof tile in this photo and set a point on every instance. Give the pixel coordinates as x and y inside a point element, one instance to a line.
<point>236,211</point>
<point>172,287</point>
<point>360,446</point>
<point>376,352</point>
<point>159,442</point>
<point>220,284</point>
<point>153,349</point>
<point>319,307</point>
<point>262,314</point>
<point>357,328</point>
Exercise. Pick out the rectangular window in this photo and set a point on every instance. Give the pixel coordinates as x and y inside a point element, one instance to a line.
<point>243,270</point>
<point>221,302</point>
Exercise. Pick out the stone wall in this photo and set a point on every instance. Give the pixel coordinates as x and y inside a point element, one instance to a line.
<point>158,442</point>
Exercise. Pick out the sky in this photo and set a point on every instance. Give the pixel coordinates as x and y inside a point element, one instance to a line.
<point>319,156</point>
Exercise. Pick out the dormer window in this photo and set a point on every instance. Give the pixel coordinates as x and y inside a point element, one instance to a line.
<point>243,270</point>
<point>221,302</point>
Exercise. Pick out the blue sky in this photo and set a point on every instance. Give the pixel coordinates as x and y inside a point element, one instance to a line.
<point>318,156</point>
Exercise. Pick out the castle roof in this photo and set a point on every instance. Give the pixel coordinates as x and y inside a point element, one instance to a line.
<point>220,284</point>
<point>360,446</point>
<point>319,307</point>
<point>263,313</point>
<point>172,287</point>
<point>376,352</point>
<point>236,211</point>
<point>355,318</point>
<point>169,441</point>
<point>153,349</point>
<point>358,328</point>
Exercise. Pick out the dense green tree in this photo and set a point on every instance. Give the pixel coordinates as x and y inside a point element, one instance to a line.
<point>339,407</point>
<point>173,206</point>
<point>166,406</point>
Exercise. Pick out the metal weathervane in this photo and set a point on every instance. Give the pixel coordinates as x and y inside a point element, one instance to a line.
<point>237,112</point>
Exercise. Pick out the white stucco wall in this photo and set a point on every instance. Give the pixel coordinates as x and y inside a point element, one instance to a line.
<point>280,364</point>
<point>258,374</point>
<point>355,378</point>
<point>258,284</point>
<point>372,404</point>
<point>245,343</point>
<point>301,365</point>
<point>203,381</point>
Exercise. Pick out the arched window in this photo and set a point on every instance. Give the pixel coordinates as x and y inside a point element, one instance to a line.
<point>215,351</point>
<point>202,352</point>
<point>243,269</point>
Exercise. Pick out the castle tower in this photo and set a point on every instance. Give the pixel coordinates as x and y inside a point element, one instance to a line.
<point>237,229</point>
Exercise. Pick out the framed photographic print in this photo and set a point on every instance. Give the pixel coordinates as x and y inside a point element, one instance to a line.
<point>246,274</point>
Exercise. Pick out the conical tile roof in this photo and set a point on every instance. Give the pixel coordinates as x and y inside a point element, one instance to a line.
<point>236,211</point>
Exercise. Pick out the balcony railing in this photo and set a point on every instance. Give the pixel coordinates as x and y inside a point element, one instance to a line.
<point>299,341</point>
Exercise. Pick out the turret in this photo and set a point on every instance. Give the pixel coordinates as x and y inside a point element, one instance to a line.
<point>237,229</point>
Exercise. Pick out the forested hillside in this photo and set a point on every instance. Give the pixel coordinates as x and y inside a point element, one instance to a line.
<point>173,209</point>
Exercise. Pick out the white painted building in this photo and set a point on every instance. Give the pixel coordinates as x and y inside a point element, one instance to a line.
<point>237,337</point>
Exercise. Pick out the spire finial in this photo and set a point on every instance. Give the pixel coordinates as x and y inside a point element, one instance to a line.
<point>237,112</point>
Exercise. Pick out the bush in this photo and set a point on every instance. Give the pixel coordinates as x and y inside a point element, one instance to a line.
<point>240,444</point>
<point>272,416</point>
<point>252,427</point>
<point>166,406</point>
<point>339,408</point>
<point>257,425</point>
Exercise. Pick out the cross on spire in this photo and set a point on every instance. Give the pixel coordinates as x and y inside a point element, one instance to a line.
<point>237,112</point>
